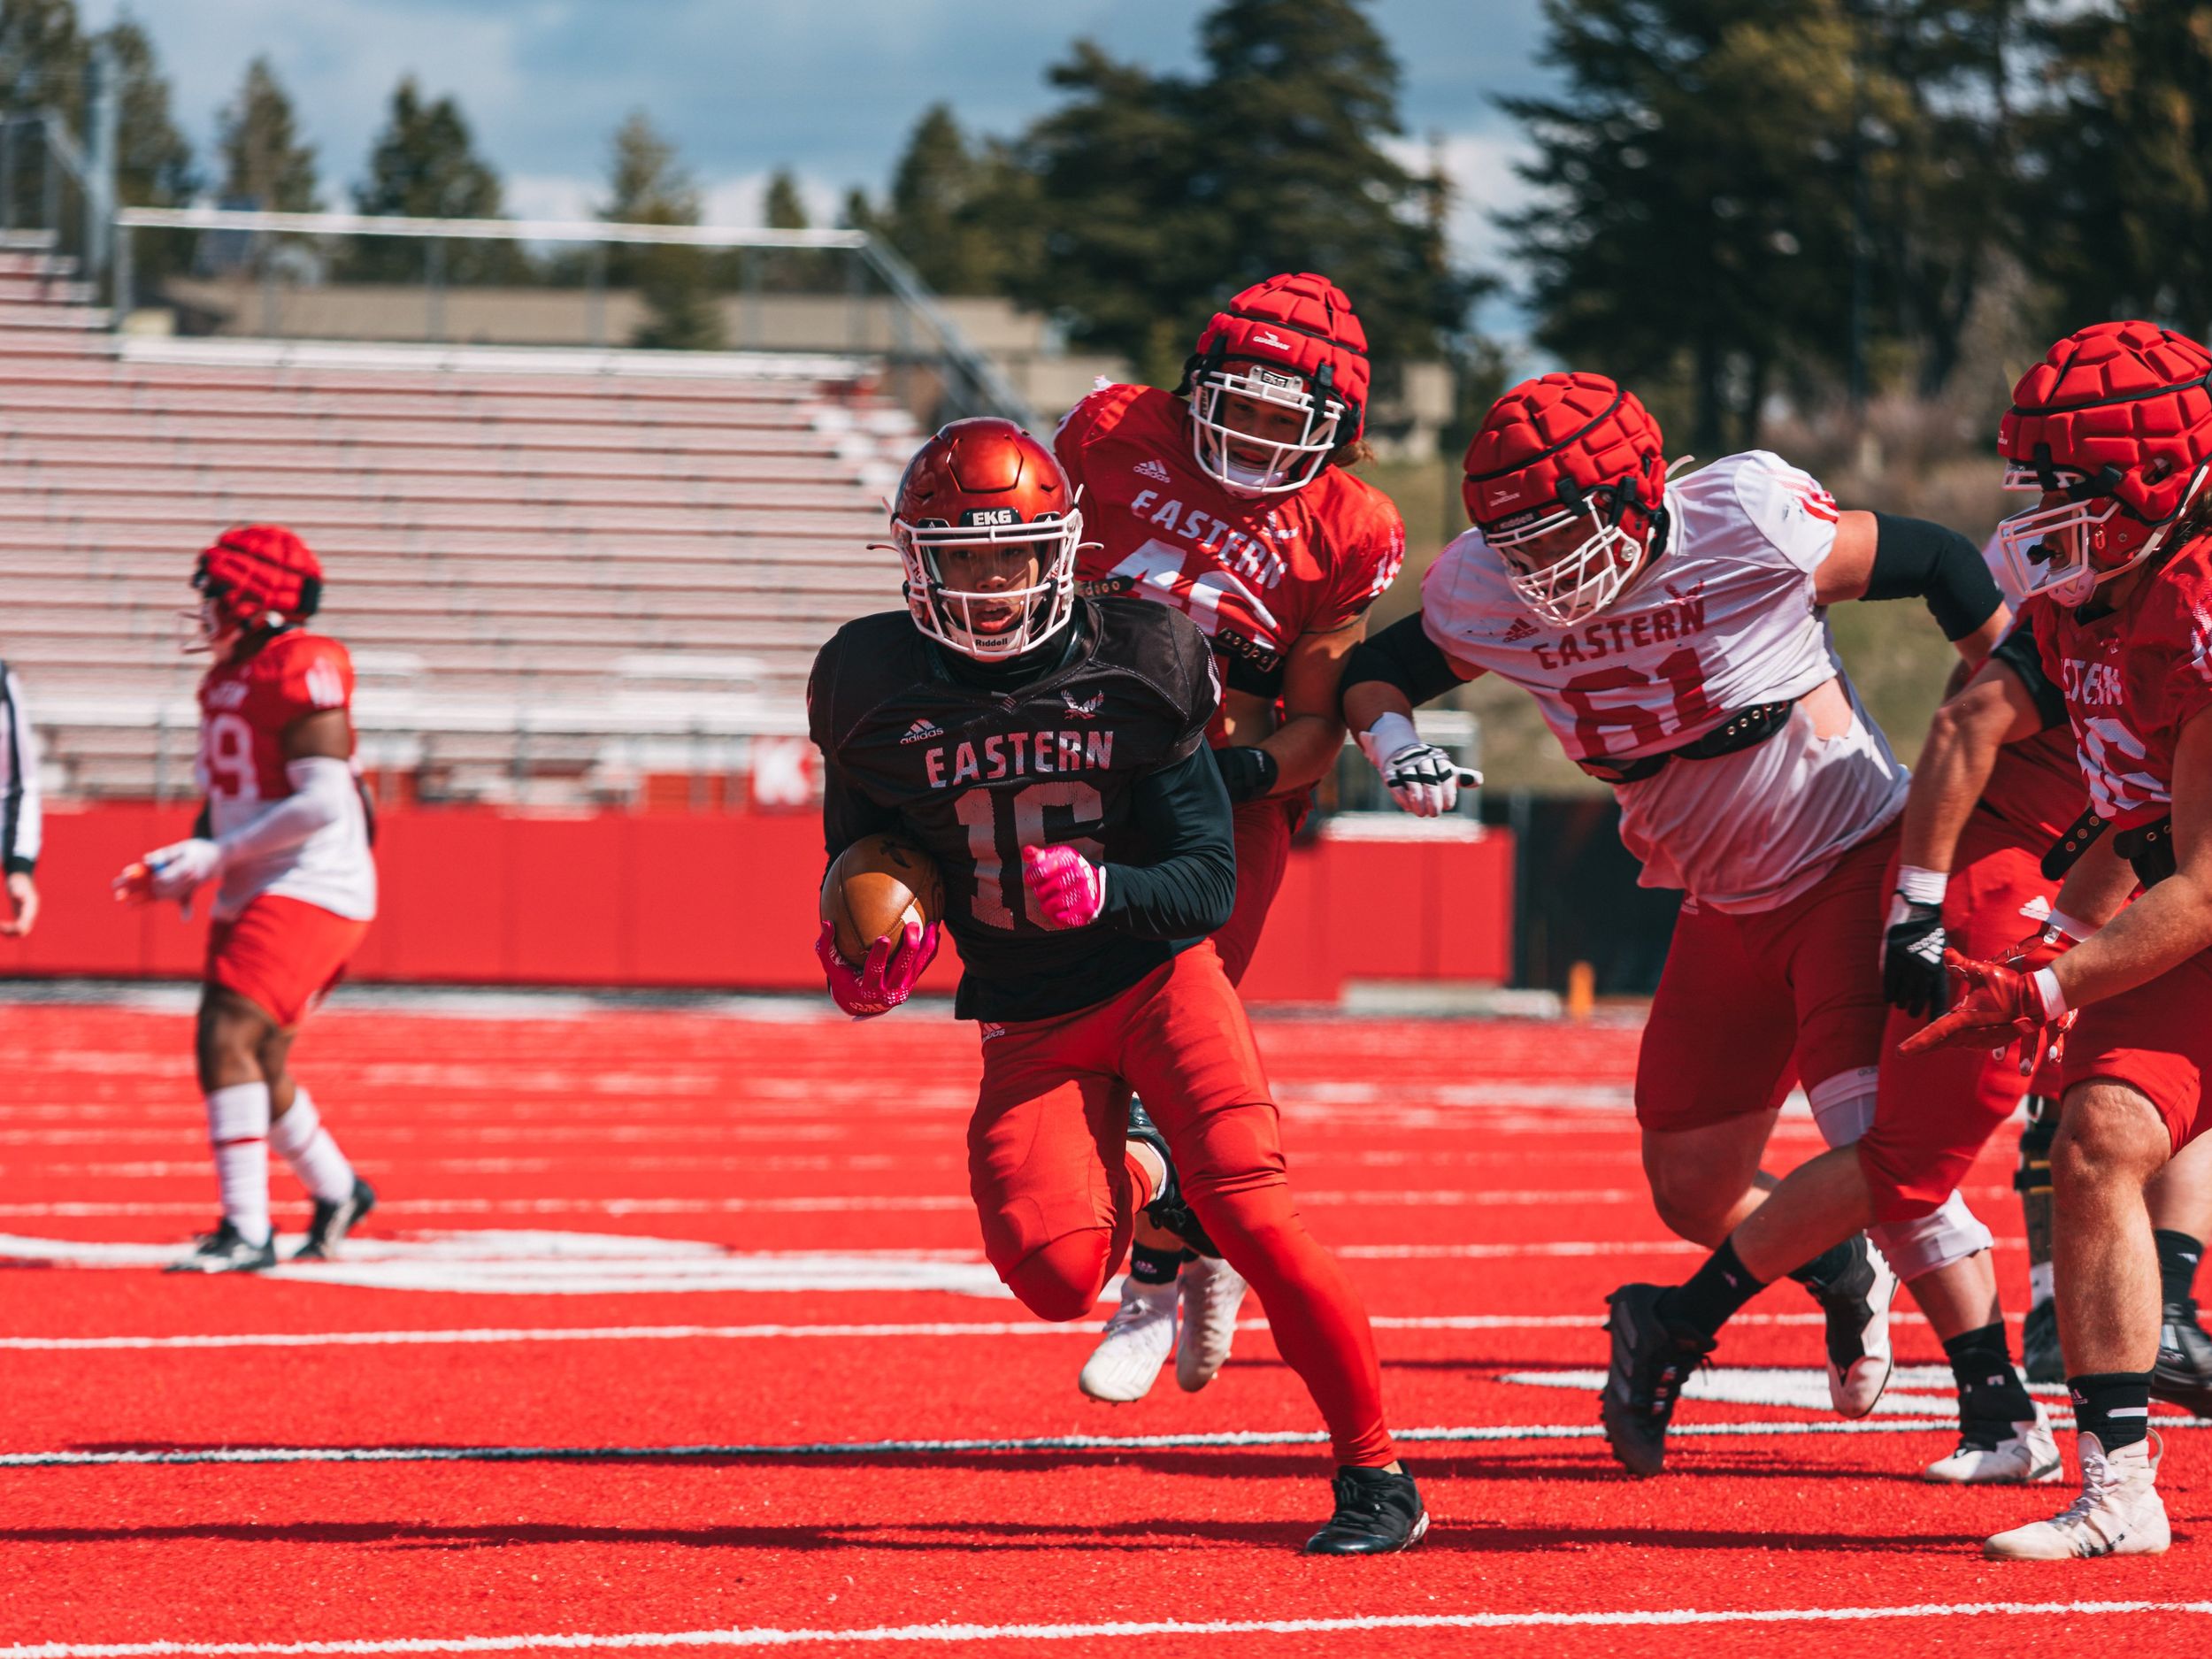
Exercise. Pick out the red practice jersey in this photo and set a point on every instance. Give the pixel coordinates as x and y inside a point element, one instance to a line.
<point>2133,677</point>
<point>1254,574</point>
<point>2037,787</point>
<point>245,709</point>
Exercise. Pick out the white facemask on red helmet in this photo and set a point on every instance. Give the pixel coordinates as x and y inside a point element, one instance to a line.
<point>986,526</point>
<point>1278,383</point>
<point>1564,450</point>
<point>2117,420</point>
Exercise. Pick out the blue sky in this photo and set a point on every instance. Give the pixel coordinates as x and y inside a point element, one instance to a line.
<point>829,88</point>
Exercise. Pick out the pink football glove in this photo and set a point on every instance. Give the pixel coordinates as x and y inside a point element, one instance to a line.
<point>887,978</point>
<point>1070,889</point>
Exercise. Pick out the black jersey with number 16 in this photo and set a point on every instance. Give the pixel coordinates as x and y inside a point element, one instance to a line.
<point>974,771</point>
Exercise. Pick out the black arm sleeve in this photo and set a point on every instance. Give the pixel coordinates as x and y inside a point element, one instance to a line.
<point>1403,655</point>
<point>1190,887</point>
<point>847,814</point>
<point>2017,651</point>
<point>1915,559</point>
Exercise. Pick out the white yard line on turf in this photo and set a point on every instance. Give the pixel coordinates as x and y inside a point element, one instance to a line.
<point>774,1636</point>
<point>1510,1432</point>
<point>749,1332</point>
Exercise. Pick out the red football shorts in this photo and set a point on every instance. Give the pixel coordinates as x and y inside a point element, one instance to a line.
<point>2156,1039</point>
<point>1748,1004</point>
<point>1263,829</point>
<point>1053,1190</point>
<point>1934,1111</point>
<point>282,955</point>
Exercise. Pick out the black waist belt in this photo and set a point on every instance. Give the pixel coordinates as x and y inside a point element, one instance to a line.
<point>2149,850</point>
<point>2066,851</point>
<point>1746,729</point>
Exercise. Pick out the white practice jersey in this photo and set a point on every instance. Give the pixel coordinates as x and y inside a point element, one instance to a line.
<point>1723,621</point>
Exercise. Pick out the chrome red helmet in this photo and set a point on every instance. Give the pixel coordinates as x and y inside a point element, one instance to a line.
<point>2117,420</point>
<point>1290,344</point>
<point>986,525</point>
<point>255,577</point>
<point>1555,449</point>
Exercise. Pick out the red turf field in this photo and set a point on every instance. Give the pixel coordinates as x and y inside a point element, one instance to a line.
<point>617,1363</point>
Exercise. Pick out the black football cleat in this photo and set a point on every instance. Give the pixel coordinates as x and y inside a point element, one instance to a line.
<point>1167,1209</point>
<point>1651,1361</point>
<point>333,1221</point>
<point>226,1250</point>
<point>2183,1376</point>
<point>2039,1356</point>
<point>1378,1513</point>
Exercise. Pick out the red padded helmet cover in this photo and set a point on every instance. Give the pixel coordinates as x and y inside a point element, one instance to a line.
<point>1551,442</point>
<point>257,569</point>
<point>2127,396</point>
<point>1300,321</point>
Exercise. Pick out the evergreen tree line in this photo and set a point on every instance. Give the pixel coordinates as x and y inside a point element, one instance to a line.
<point>1826,198</point>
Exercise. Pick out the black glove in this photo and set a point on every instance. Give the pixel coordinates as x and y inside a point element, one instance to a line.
<point>1247,771</point>
<point>1912,958</point>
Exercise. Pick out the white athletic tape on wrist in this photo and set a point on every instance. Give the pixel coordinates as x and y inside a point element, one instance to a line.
<point>240,1113</point>
<point>2059,922</point>
<point>1843,1105</point>
<point>1918,1247</point>
<point>1922,886</point>
<point>1389,734</point>
<point>2053,999</point>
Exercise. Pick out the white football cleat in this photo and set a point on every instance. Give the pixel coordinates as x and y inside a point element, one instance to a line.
<point>1139,1338</point>
<point>2026,1457</point>
<point>1857,1336</point>
<point>1211,1291</point>
<point>2119,1512</point>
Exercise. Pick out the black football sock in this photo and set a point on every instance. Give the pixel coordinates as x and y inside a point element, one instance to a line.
<point>1826,1268</point>
<point>1149,1266</point>
<point>1713,1294</point>
<point>2113,1405</point>
<point>1990,1391</point>
<point>2178,1257</point>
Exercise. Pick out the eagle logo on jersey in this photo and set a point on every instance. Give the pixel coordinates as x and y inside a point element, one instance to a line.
<point>1088,709</point>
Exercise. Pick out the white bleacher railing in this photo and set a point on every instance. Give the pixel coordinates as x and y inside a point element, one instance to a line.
<point>923,333</point>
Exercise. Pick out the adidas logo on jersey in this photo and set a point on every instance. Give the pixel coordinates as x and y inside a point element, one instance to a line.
<point>1154,469</point>
<point>922,731</point>
<point>1522,629</point>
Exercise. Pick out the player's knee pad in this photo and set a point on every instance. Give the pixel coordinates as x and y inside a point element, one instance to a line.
<point>2034,1174</point>
<point>1950,1234</point>
<point>1062,1280</point>
<point>1843,1105</point>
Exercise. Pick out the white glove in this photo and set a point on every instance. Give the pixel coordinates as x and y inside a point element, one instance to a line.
<point>1422,778</point>
<point>180,869</point>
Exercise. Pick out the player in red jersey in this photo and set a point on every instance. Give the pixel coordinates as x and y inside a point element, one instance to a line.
<point>2113,430</point>
<point>1048,750</point>
<point>1229,500</point>
<point>286,833</point>
<point>1674,633</point>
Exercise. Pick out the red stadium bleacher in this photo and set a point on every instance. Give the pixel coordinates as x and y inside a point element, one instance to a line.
<point>511,532</point>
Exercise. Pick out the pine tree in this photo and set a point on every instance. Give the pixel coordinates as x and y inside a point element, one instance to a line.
<point>424,164</point>
<point>959,212</point>
<point>782,207</point>
<point>265,165</point>
<point>647,185</point>
<point>154,166</point>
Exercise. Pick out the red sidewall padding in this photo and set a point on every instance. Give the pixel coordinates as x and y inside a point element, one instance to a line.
<point>479,897</point>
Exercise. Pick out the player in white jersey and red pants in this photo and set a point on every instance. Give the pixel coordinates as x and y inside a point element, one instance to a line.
<point>1228,500</point>
<point>286,834</point>
<point>1675,636</point>
<point>2113,430</point>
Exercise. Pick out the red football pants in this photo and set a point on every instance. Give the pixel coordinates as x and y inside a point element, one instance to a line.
<point>1263,829</point>
<point>1053,1191</point>
<point>1934,1111</point>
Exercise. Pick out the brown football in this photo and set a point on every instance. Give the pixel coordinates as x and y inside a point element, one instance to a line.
<point>876,886</point>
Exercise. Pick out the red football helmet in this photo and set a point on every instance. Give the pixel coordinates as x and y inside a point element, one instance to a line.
<point>1553,450</point>
<point>986,525</point>
<point>255,577</point>
<point>1291,348</point>
<point>2117,420</point>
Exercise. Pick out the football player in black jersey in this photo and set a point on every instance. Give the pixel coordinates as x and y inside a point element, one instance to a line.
<point>1050,752</point>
